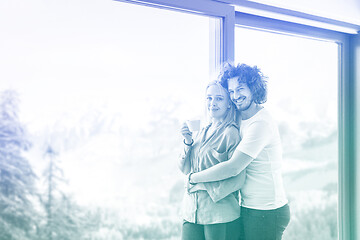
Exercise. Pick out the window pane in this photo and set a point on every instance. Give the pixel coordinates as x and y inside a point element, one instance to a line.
<point>106,86</point>
<point>302,84</point>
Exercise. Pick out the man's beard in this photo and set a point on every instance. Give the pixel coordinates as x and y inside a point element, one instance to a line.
<point>244,108</point>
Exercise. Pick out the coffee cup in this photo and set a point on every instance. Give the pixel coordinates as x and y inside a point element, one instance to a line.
<point>193,125</point>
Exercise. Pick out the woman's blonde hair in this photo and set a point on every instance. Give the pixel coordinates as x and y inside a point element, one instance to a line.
<point>231,113</point>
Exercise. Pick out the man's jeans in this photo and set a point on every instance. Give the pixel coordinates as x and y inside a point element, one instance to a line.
<point>264,224</point>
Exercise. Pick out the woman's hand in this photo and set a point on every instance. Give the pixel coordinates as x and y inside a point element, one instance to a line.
<point>185,131</point>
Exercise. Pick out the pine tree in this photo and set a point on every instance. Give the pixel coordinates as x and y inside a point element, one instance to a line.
<point>50,175</point>
<point>65,220</point>
<point>17,179</point>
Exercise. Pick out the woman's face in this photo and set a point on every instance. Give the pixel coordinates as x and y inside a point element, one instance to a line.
<point>217,102</point>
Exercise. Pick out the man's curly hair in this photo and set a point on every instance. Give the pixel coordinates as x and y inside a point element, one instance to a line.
<point>252,76</point>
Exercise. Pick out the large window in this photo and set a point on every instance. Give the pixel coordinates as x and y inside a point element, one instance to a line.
<point>303,94</point>
<point>103,89</point>
<point>104,85</point>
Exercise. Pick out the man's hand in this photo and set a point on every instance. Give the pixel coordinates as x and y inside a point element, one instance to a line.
<point>190,188</point>
<point>197,187</point>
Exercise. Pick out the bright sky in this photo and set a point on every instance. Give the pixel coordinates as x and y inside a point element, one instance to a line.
<point>69,55</point>
<point>66,57</point>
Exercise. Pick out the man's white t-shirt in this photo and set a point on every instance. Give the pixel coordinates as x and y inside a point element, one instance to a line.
<point>260,139</point>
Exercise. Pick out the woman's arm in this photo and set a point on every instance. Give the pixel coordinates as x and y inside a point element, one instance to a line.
<point>184,163</point>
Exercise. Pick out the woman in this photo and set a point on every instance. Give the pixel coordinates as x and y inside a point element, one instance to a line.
<point>211,212</point>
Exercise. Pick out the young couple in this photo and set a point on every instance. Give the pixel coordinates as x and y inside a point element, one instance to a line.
<point>239,150</point>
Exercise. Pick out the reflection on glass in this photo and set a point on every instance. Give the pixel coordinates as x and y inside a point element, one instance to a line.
<point>302,80</point>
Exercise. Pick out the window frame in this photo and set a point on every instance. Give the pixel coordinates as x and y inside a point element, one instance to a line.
<point>222,49</point>
<point>345,99</point>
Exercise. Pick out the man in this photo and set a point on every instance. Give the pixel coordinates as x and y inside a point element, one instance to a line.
<point>264,210</point>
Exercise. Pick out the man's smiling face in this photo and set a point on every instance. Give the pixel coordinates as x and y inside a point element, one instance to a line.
<point>240,94</point>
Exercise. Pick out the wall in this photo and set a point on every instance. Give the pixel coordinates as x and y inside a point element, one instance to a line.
<point>347,11</point>
<point>355,72</point>
<point>342,10</point>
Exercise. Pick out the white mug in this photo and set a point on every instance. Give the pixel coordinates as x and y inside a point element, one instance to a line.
<point>194,125</point>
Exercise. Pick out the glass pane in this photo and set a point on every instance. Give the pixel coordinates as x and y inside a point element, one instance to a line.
<point>302,96</point>
<point>103,88</point>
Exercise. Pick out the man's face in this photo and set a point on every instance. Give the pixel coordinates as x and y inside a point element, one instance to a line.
<point>240,94</point>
